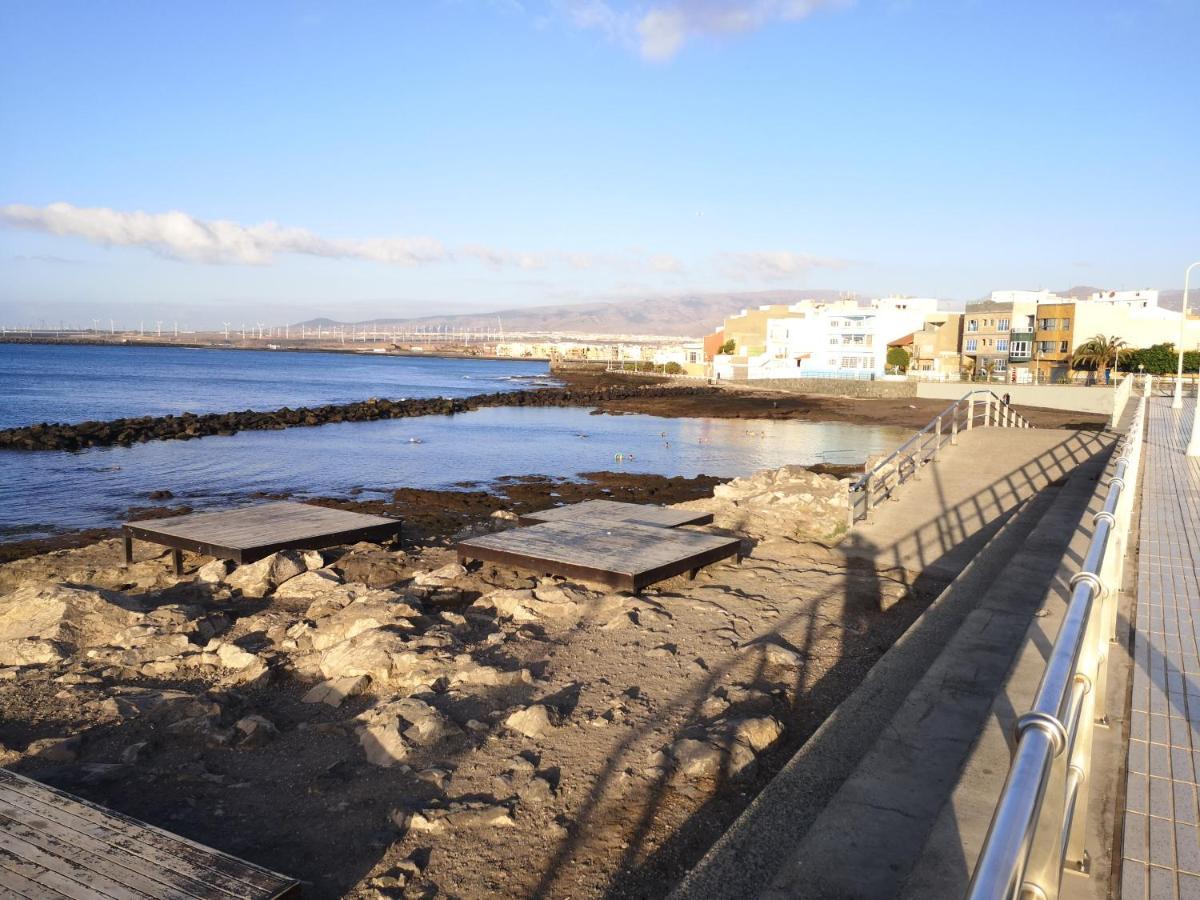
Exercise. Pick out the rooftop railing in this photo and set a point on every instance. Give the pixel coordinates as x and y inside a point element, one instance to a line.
<point>974,409</point>
<point>1038,828</point>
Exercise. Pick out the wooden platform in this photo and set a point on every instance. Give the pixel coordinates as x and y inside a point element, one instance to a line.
<point>622,555</point>
<point>615,511</point>
<point>252,532</point>
<point>53,845</point>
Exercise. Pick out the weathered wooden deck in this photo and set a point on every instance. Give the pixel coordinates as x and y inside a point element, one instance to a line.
<point>623,555</point>
<point>53,845</point>
<point>252,532</point>
<point>611,511</point>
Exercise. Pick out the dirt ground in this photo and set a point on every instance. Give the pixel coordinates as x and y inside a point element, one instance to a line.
<point>664,713</point>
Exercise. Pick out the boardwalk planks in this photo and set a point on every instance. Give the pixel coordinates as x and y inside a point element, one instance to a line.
<point>622,555</point>
<point>593,511</point>
<point>53,845</point>
<point>252,532</point>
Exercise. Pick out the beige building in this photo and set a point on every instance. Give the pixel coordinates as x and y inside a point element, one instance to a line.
<point>936,347</point>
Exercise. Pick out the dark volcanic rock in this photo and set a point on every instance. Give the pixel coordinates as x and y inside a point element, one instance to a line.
<point>187,426</point>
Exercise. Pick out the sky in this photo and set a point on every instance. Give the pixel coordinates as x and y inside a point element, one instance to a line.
<point>207,161</point>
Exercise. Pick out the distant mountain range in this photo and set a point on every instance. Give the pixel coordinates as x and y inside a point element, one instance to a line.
<point>687,315</point>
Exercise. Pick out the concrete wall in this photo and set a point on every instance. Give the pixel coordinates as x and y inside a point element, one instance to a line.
<point>843,387</point>
<point>1048,396</point>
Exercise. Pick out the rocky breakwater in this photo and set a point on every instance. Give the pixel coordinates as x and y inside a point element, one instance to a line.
<point>187,426</point>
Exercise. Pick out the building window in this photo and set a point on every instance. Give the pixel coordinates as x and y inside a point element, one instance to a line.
<point>1046,346</point>
<point>1002,325</point>
<point>1047,324</point>
<point>1019,348</point>
<point>1062,348</point>
<point>972,324</point>
<point>1002,344</point>
<point>834,340</point>
<point>1065,325</point>
<point>971,344</point>
<point>849,362</point>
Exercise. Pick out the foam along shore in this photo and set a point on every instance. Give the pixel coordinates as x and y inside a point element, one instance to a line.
<point>372,719</point>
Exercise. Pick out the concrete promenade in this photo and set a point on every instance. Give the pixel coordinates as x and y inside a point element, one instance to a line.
<point>1161,844</point>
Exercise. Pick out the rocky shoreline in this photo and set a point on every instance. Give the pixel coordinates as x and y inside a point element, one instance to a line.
<point>382,722</point>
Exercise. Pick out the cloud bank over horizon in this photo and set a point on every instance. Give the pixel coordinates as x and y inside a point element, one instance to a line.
<point>183,237</point>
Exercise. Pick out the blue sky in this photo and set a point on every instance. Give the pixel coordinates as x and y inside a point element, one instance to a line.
<point>278,160</point>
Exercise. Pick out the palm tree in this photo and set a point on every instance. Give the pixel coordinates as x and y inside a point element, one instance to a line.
<point>1099,352</point>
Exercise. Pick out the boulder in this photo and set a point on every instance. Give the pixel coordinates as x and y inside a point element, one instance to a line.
<point>259,578</point>
<point>787,502</point>
<point>758,733</point>
<point>696,759</point>
<point>336,690</point>
<point>440,577</point>
<point>214,572</point>
<point>533,721</point>
<point>308,586</point>
<point>43,622</point>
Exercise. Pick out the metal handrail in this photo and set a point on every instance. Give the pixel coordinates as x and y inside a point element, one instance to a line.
<point>875,485</point>
<point>1030,842</point>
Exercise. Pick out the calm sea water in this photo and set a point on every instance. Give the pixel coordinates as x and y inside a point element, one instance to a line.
<point>46,492</point>
<point>58,383</point>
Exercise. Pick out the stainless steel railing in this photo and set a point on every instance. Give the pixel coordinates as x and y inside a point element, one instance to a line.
<point>1038,827</point>
<point>974,409</point>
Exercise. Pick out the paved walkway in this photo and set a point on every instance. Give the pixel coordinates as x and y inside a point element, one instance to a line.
<point>1161,852</point>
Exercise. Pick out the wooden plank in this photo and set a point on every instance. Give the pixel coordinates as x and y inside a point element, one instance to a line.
<point>593,511</point>
<point>149,849</point>
<point>18,878</point>
<point>70,877</point>
<point>102,858</point>
<point>623,555</point>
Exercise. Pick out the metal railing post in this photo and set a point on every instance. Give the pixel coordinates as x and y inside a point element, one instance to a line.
<point>954,427</point>
<point>970,412</point>
<point>937,437</point>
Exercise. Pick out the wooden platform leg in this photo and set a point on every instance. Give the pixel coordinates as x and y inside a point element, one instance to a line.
<point>128,548</point>
<point>177,559</point>
<point>691,576</point>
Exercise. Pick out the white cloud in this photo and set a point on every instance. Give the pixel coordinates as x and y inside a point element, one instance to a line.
<point>179,235</point>
<point>773,265</point>
<point>660,30</point>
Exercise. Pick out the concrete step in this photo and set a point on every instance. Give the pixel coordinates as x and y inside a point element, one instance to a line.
<point>770,839</point>
<point>868,838</point>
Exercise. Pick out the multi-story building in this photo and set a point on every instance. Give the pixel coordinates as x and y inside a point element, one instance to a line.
<point>841,340</point>
<point>988,327</point>
<point>937,345</point>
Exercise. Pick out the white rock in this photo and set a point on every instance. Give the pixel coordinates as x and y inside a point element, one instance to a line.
<point>533,721</point>
<point>441,576</point>
<point>234,657</point>
<point>259,578</point>
<point>335,691</point>
<point>308,586</point>
<point>758,733</point>
<point>42,622</point>
<point>214,572</point>
<point>314,559</point>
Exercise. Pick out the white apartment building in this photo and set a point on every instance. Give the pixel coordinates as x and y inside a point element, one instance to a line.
<point>840,340</point>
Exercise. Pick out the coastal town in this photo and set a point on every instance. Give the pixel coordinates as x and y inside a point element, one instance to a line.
<point>1014,336</point>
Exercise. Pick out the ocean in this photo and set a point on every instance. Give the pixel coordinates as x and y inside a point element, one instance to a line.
<point>43,493</point>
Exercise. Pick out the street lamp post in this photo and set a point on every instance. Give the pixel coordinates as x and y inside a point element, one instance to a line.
<point>1177,402</point>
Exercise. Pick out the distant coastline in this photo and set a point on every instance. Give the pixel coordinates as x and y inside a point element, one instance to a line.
<point>281,345</point>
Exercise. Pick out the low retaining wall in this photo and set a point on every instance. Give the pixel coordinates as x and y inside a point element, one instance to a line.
<point>842,387</point>
<point>1097,399</point>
